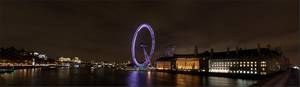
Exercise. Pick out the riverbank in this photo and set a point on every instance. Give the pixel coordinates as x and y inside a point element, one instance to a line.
<point>9,69</point>
<point>227,75</point>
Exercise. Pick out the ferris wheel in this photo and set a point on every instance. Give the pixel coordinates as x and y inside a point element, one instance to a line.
<point>147,56</point>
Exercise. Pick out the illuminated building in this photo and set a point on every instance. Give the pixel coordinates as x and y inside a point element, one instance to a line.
<point>69,60</point>
<point>180,62</point>
<point>76,60</point>
<point>259,61</point>
<point>187,63</point>
<point>63,59</point>
<point>164,64</point>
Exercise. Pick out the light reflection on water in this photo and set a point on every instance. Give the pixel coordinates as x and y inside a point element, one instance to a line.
<point>65,76</point>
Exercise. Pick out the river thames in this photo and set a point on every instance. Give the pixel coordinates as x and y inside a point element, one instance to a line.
<point>88,77</point>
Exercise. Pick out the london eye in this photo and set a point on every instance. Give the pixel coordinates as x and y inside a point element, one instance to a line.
<point>147,56</point>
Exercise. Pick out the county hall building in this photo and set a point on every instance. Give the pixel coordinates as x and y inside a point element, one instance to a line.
<point>258,61</point>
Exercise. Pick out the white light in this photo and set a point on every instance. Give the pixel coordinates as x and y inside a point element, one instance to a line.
<point>219,71</point>
<point>296,67</point>
<point>35,53</point>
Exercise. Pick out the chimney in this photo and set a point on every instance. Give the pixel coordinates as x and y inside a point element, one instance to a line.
<point>258,47</point>
<point>237,49</point>
<point>211,50</point>
<point>228,49</point>
<point>196,50</point>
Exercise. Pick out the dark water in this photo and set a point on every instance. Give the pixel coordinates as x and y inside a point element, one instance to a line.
<point>87,77</point>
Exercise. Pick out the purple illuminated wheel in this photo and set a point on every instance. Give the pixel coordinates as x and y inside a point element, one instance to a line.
<point>146,55</point>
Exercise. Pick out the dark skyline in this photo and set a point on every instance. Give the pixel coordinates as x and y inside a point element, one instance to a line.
<point>104,28</point>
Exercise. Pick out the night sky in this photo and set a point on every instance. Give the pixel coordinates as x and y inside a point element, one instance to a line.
<point>103,28</point>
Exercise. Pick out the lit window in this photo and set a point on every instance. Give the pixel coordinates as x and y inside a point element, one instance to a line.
<point>263,73</point>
